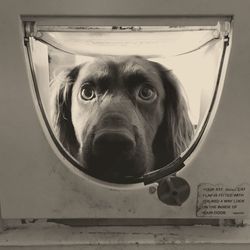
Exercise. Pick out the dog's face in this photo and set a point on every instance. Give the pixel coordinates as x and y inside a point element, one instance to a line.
<point>113,116</point>
<point>117,107</point>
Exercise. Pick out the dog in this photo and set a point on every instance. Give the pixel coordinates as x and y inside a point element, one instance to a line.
<point>120,116</point>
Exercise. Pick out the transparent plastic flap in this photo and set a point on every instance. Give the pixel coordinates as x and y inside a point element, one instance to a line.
<point>193,54</point>
<point>147,41</point>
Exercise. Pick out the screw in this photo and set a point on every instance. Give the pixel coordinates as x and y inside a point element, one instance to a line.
<point>152,189</point>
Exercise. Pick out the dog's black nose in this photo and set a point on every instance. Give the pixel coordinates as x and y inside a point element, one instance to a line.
<point>114,143</point>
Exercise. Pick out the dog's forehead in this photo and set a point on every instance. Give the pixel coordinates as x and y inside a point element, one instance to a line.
<point>120,64</point>
<point>96,67</point>
<point>121,67</point>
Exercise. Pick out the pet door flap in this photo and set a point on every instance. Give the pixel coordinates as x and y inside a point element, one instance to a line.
<point>192,54</point>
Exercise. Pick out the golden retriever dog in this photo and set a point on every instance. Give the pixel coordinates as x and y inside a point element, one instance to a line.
<point>120,116</point>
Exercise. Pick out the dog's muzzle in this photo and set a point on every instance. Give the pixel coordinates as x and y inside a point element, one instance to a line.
<point>113,137</point>
<point>114,148</point>
<point>110,142</point>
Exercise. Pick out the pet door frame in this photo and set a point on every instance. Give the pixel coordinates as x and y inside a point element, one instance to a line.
<point>32,30</point>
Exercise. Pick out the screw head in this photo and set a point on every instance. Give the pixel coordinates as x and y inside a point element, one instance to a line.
<point>152,189</point>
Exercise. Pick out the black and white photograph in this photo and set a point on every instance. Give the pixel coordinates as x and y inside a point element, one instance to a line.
<point>124,124</point>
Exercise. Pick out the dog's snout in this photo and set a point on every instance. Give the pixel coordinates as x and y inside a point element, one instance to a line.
<point>113,147</point>
<point>113,120</point>
<point>114,136</point>
<point>114,143</point>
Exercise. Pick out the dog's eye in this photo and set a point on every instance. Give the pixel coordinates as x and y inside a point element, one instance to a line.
<point>147,93</point>
<point>88,92</point>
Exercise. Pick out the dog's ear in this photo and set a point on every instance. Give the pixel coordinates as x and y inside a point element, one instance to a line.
<point>176,131</point>
<point>61,92</point>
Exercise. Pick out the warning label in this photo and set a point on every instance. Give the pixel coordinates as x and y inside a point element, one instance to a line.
<point>222,201</point>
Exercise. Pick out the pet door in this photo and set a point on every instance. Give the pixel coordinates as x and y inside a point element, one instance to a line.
<point>191,56</point>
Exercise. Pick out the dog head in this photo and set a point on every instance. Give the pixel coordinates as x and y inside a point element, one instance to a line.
<point>120,116</point>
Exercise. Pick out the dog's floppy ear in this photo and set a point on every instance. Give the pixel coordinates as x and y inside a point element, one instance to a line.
<point>61,91</point>
<point>176,131</point>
